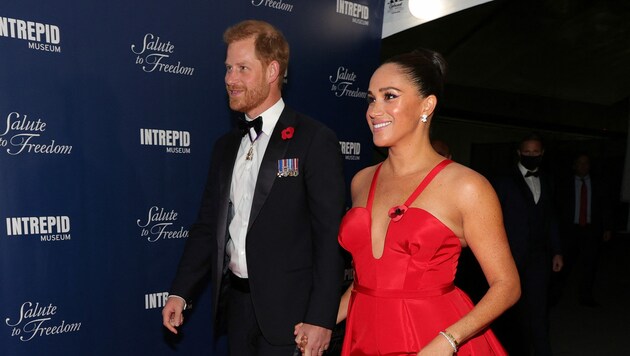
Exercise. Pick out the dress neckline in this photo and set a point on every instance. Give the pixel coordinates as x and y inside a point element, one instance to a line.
<point>429,177</point>
<point>396,213</point>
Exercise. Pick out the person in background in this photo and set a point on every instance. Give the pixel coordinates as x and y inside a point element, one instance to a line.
<point>529,213</point>
<point>411,216</point>
<point>267,227</point>
<point>585,223</point>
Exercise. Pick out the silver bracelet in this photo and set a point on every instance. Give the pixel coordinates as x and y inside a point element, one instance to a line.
<point>451,340</point>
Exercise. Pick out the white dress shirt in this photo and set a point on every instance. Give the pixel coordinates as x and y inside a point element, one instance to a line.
<point>244,179</point>
<point>532,182</point>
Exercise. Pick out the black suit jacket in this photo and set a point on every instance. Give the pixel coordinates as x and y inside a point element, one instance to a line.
<point>531,227</point>
<point>294,262</point>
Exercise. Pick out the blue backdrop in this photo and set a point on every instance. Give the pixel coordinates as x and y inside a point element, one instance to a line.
<point>108,113</point>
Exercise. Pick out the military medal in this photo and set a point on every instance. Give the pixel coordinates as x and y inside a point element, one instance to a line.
<point>288,167</point>
<point>250,153</point>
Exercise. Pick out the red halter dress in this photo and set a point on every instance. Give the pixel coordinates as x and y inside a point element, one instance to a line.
<point>401,301</point>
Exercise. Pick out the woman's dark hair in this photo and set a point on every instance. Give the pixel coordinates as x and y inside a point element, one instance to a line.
<point>425,68</point>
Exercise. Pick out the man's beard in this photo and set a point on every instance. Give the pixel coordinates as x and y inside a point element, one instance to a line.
<point>252,98</point>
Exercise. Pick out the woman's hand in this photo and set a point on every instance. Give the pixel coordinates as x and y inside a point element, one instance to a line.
<point>312,339</point>
<point>302,340</point>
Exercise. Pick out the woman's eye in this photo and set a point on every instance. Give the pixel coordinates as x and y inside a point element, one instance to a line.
<point>389,96</point>
<point>370,99</point>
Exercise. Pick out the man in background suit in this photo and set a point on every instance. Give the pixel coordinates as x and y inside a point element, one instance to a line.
<point>267,227</point>
<point>585,222</point>
<point>530,222</point>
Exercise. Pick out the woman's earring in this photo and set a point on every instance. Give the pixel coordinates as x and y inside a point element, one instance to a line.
<point>424,118</point>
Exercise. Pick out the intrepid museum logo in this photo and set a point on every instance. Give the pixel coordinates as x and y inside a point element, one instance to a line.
<point>274,4</point>
<point>351,150</point>
<point>155,300</point>
<point>23,135</point>
<point>360,13</point>
<point>40,36</point>
<point>158,225</point>
<point>175,141</point>
<point>343,82</point>
<point>154,55</point>
<point>49,228</point>
<point>34,320</point>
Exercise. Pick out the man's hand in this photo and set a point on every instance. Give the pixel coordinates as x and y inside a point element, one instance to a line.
<point>558,263</point>
<point>172,316</point>
<point>312,339</point>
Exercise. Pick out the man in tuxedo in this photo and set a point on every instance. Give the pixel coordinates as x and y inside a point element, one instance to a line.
<point>585,222</point>
<point>267,227</point>
<point>529,216</point>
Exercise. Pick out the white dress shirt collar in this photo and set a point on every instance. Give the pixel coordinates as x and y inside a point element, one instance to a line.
<point>270,117</point>
<point>532,182</point>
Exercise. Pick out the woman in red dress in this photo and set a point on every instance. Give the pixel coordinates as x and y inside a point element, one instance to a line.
<point>411,216</point>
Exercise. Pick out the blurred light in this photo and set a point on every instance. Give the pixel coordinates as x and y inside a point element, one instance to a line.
<point>427,9</point>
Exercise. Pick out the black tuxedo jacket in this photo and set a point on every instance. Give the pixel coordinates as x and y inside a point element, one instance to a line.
<point>294,262</point>
<point>531,227</point>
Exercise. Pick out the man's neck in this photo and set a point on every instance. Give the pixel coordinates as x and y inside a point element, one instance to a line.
<point>271,100</point>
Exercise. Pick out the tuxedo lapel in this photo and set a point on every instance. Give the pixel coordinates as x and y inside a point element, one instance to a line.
<point>276,150</point>
<point>545,189</point>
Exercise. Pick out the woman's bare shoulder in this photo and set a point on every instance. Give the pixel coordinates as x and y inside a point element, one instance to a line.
<point>465,180</point>
<point>361,183</point>
<point>364,175</point>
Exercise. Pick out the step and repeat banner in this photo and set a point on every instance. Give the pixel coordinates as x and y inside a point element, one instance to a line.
<point>108,114</point>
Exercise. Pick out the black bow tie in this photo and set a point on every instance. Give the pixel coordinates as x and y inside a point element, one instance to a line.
<point>531,174</point>
<point>245,125</point>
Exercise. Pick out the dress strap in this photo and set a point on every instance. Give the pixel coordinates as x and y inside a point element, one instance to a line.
<point>427,180</point>
<point>368,205</point>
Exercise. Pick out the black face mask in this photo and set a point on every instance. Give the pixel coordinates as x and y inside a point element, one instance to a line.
<point>531,162</point>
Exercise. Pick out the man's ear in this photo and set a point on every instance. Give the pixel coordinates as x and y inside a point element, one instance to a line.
<point>273,71</point>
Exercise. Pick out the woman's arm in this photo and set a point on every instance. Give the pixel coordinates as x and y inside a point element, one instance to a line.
<point>343,304</point>
<point>484,233</point>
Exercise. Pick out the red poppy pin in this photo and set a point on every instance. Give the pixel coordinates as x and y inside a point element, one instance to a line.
<point>287,133</point>
<point>397,212</point>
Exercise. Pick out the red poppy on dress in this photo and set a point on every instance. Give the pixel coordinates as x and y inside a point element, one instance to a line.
<point>288,133</point>
<point>397,212</point>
